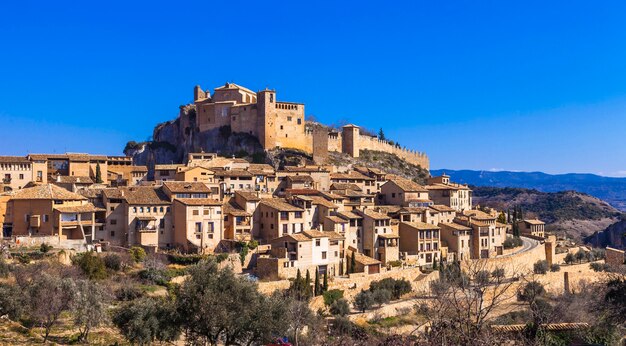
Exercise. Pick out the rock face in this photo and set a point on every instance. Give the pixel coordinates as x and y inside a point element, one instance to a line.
<point>613,236</point>
<point>173,140</point>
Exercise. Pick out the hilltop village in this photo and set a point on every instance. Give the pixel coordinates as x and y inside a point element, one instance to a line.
<point>340,237</point>
<point>327,219</point>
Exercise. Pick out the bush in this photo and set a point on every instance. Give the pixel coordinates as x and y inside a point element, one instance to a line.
<point>381,297</point>
<point>395,263</point>
<point>45,248</point>
<point>155,276</point>
<point>569,258</point>
<point>185,259</point>
<point>253,244</point>
<point>221,257</point>
<point>396,287</point>
<point>540,267</point>
<point>12,301</point>
<point>342,326</point>
<point>5,268</point>
<point>555,267</point>
<point>498,273</point>
<point>138,254</point>
<point>128,292</point>
<point>331,296</point>
<point>363,301</point>
<point>599,267</point>
<point>92,265</point>
<point>113,262</point>
<point>340,307</point>
<point>512,242</point>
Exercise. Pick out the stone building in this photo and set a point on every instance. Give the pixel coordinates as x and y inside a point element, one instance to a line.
<point>532,227</point>
<point>282,124</point>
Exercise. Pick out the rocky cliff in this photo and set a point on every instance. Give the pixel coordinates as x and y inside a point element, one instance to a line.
<point>173,140</point>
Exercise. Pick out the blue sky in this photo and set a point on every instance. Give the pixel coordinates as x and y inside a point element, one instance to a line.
<point>532,85</point>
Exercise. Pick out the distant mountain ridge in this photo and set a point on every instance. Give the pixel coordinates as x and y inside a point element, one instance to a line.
<point>611,190</point>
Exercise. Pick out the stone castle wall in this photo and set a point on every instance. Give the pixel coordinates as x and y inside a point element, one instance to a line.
<point>335,143</point>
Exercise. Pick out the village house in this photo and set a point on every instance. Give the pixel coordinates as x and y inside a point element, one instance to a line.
<point>165,172</point>
<point>148,217</point>
<point>456,196</point>
<point>535,228</point>
<point>419,243</point>
<point>198,224</point>
<point>458,240</point>
<point>380,241</point>
<point>404,192</point>
<point>16,172</point>
<point>49,210</point>
<point>277,218</point>
<point>310,250</point>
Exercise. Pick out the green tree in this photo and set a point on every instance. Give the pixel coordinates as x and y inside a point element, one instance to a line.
<point>380,297</point>
<point>381,135</point>
<point>340,307</point>
<point>541,267</point>
<point>331,296</point>
<point>146,320</point>
<point>363,301</point>
<point>570,258</point>
<point>325,283</point>
<point>89,307</point>
<point>138,254</point>
<point>91,264</point>
<point>316,284</point>
<point>580,255</point>
<point>98,174</point>
<point>502,218</point>
<point>48,297</point>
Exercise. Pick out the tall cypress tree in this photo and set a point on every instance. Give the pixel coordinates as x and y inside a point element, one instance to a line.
<point>325,284</point>
<point>98,174</point>
<point>307,284</point>
<point>316,284</point>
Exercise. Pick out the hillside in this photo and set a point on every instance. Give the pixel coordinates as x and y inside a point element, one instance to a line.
<point>387,162</point>
<point>612,190</point>
<point>576,214</point>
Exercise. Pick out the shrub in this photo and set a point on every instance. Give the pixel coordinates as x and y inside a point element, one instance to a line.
<point>155,276</point>
<point>381,297</point>
<point>498,273</point>
<point>396,287</point>
<point>5,268</point>
<point>580,255</point>
<point>395,263</point>
<point>45,247</point>
<point>12,301</point>
<point>342,326</point>
<point>512,242</point>
<point>138,254</point>
<point>363,301</point>
<point>555,267</point>
<point>569,258</point>
<point>92,265</point>
<point>113,262</point>
<point>331,296</point>
<point>599,267</point>
<point>221,257</point>
<point>340,307</point>
<point>184,259</point>
<point>253,244</point>
<point>128,292</point>
<point>540,267</point>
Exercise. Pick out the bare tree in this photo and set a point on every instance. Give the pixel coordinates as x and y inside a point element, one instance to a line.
<point>49,296</point>
<point>465,297</point>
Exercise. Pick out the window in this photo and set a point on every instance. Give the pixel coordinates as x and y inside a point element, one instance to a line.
<point>288,118</point>
<point>113,222</point>
<point>298,215</point>
<point>21,176</point>
<point>134,209</point>
<point>112,208</point>
<point>141,209</point>
<point>198,227</point>
<point>162,223</point>
<point>285,229</point>
<point>317,242</point>
<point>45,218</point>
<point>323,254</point>
<point>112,233</point>
<point>195,212</point>
<point>154,210</point>
<point>161,209</point>
<point>299,121</point>
<point>211,228</point>
<point>206,211</point>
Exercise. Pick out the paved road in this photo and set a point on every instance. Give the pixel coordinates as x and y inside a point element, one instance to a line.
<point>527,244</point>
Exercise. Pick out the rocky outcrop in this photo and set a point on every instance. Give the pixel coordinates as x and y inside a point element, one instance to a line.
<point>173,140</point>
<point>613,236</point>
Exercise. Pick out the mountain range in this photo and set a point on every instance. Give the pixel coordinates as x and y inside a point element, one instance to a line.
<point>611,190</point>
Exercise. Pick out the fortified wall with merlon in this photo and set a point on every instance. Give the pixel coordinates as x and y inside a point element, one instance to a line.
<point>279,124</point>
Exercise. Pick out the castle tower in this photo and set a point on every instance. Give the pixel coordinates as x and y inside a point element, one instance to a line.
<point>349,143</point>
<point>320,145</point>
<point>199,94</point>
<point>266,112</point>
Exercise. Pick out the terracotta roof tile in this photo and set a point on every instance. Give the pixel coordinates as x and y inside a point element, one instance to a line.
<point>47,191</point>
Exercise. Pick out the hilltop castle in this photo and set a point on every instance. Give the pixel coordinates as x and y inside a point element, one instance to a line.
<point>282,124</point>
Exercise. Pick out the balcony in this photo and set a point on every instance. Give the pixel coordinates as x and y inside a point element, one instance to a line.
<point>6,180</point>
